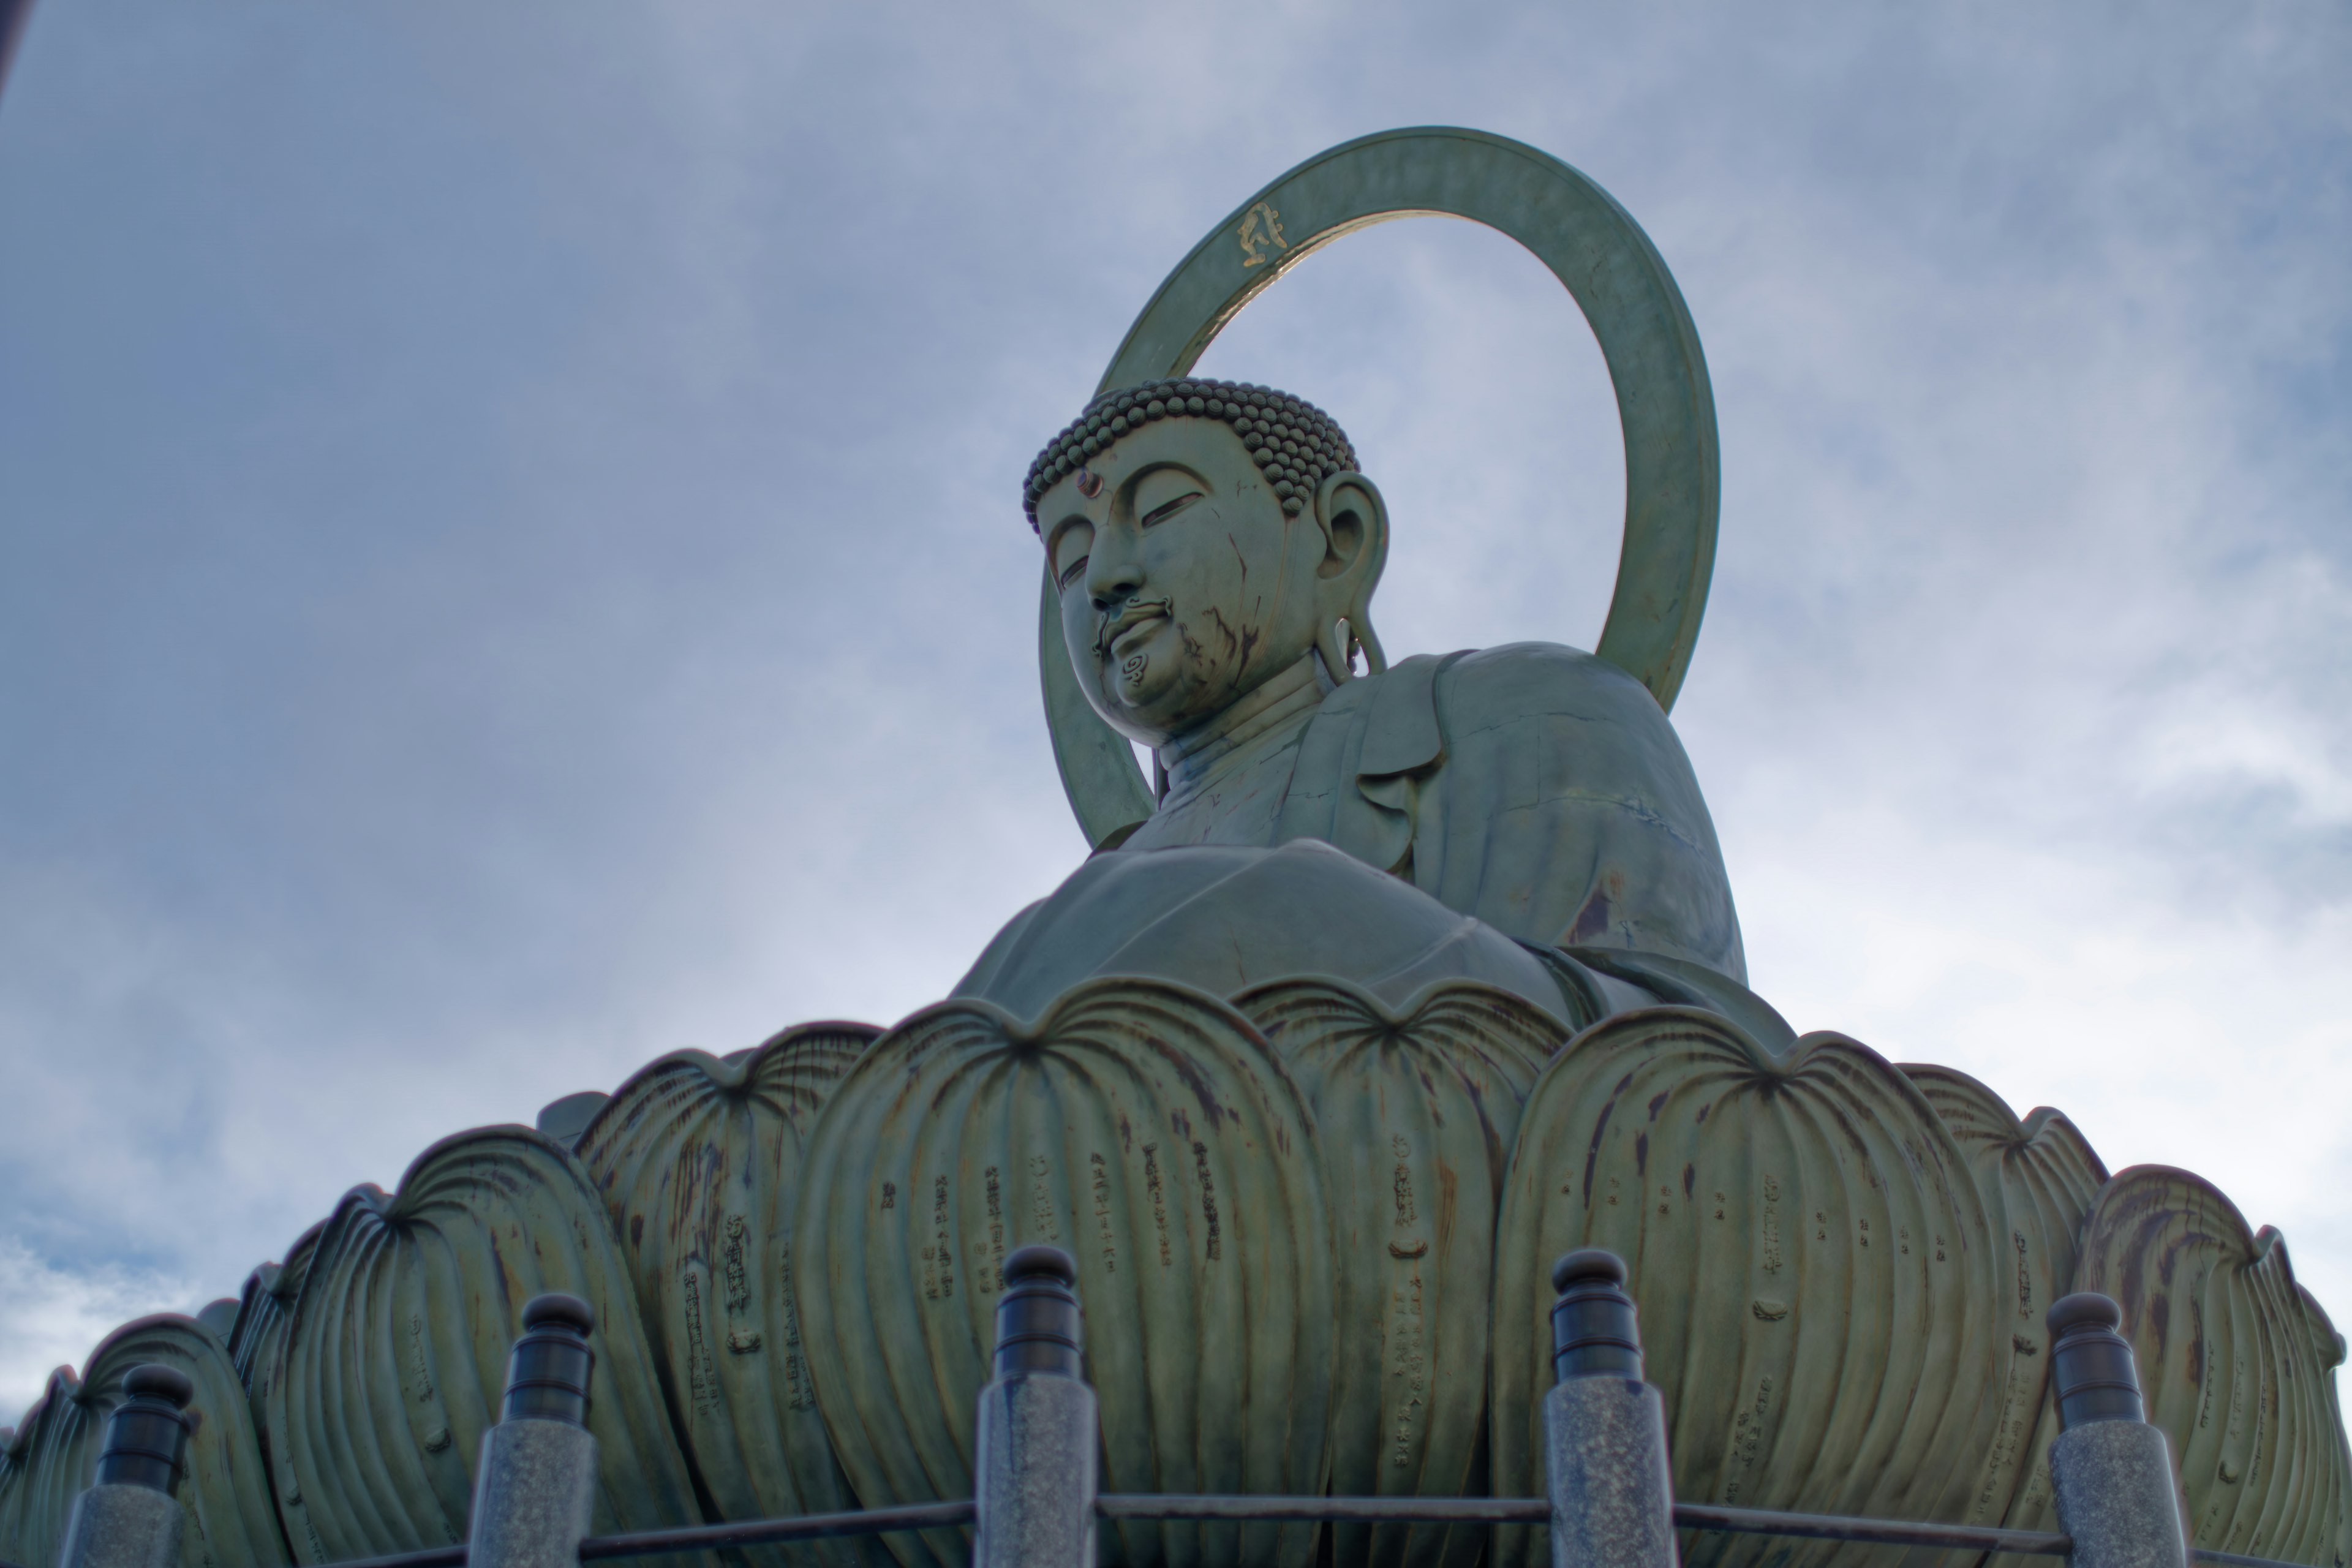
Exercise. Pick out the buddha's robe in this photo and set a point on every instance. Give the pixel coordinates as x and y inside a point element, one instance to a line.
<point>1538,791</point>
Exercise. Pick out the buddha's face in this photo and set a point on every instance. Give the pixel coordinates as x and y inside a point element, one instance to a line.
<point>1184,585</point>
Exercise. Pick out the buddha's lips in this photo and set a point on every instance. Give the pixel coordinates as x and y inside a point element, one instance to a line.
<point>1137,615</point>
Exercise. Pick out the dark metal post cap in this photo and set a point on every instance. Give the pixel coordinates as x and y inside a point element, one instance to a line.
<point>1038,1328</point>
<point>1594,1332</point>
<point>2092,1373</point>
<point>549,1371</point>
<point>1587,1263</point>
<point>2084,1308</point>
<point>156,1380</point>
<point>1039,1261</point>
<point>147,1434</point>
<point>555,1306</point>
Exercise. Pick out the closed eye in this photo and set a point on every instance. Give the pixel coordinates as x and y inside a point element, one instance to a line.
<point>1167,509</point>
<point>1070,573</point>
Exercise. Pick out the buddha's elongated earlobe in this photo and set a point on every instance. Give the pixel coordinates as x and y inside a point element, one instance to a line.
<point>1375,659</point>
<point>1332,641</point>
<point>1355,531</point>
<point>1368,583</point>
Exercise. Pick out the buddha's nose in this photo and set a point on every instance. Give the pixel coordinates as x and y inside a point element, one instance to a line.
<point>1113,577</point>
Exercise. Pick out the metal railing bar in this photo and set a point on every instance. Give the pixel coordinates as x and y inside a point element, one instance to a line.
<point>1537,1510</point>
<point>1363,1509</point>
<point>1380,1510</point>
<point>2025,1543</point>
<point>765,1532</point>
<point>1886,1532</point>
<point>430,1557</point>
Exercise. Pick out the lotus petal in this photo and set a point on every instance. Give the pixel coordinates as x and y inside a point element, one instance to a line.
<point>224,1493</point>
<point>44,1463</point>
<point>1148,1129</point>
<point>395,1359</point>
<point>699,1162</point>
<point>2236,1361</point>
<point>1415,1109</point>
<point>2038,1178</point>
<point>257,1341</point>
<point>1814,1270</point>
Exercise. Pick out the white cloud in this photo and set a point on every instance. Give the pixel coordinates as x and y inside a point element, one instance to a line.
<point>56,1315</point>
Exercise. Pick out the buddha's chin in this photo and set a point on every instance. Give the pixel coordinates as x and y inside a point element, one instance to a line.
<point>1138,716</point>
<point>1148,710</point>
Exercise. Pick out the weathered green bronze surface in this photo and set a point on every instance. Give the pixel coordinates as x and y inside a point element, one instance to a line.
<point>257,1337</point>
<point>2038,1179</point>
<point>1152,1131</point>
<point>258,1332</point>
<point>698,1162</point>
<point>392,1361</point>
<point>1816,1275</point>
<point>1591,244</point>
<point>1305,908</point>
<point>1398,982</point>
<point>2236,1360</point>
<point>232,1520</point>
<point>1415,1109</point>
<point>1210,609</point>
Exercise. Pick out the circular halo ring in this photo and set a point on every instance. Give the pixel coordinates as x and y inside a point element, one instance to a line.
<point>1672,476</point>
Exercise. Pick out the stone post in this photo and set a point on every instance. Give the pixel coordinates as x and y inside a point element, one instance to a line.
<point>129,1518</point>
<point>2112,1472</point>
<point>1613,1503</point>
<point>1035,1471</point>
<point>537,1484</point>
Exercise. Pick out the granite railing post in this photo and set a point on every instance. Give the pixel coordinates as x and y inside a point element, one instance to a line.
<point>537,1484</point>
<point>1035,1468</point>
<point>2111,1471</point>
<point>129,1518</point>
<point>1612,1500</point>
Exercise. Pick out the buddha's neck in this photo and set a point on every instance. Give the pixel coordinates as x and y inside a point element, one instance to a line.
<point>1258,721</point>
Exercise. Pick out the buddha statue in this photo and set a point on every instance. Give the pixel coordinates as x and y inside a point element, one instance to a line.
<point>1521,814</point>
<point>1347,1028</point>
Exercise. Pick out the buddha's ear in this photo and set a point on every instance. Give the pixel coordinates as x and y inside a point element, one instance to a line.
<point>1355,524</point>
<point>1354,520</point>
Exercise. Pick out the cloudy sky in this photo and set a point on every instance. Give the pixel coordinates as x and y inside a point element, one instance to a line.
<point>511,561</point>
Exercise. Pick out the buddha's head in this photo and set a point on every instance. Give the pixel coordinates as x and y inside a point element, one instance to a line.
<point>1204,537</point>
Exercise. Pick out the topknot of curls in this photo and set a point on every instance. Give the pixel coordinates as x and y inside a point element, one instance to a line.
<point>1294,442</point>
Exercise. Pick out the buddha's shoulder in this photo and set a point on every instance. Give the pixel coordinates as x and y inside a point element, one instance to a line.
<point>1581,723</point>
<point>1493,686</point>
<point>1511,698</point>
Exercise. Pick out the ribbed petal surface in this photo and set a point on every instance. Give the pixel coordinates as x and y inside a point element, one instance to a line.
<point>697,1161</point>
<point>1415,1109</point>
<point>1815,1271</point>
<point>1149,1129</point>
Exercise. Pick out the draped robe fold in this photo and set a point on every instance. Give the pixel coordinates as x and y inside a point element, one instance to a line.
<point>1537,790</point>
